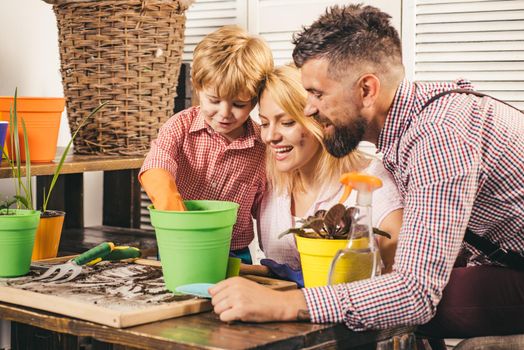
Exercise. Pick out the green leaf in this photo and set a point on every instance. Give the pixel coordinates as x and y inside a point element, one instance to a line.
<point>23,201</point>
<point>22,190</point>
<point>29,183</point>
<point>64,155</point>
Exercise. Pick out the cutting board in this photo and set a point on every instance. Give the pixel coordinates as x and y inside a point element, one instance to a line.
<point>113,294</point>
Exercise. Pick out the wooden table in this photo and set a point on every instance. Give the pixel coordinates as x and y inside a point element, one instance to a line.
<point>35,329</point>
<point>201,331</point>
<point>39,329</point>
<point>121,191</point>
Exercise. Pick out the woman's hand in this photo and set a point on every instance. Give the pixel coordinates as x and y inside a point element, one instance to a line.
<point>240,299</point>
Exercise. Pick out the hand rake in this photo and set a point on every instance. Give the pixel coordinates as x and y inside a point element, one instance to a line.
<point>74,266</point>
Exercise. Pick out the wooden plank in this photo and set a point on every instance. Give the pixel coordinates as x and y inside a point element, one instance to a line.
<point>79,164</point>
<point>99,314</point>
<point>113,294</point>
<point>253,270</point>
<point>204,331</point>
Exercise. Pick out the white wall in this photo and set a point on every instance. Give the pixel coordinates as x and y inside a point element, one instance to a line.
<point>29,60</point>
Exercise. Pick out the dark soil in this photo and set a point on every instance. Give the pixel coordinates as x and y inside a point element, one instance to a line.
<point>124,282</point>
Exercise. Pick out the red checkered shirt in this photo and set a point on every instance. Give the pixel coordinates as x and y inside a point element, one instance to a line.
<point>206,166</point>
<point>458,164</point>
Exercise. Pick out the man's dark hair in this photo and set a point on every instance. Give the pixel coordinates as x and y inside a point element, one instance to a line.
<point>349,34</point>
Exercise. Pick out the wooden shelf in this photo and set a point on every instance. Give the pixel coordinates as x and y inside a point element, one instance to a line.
<point>121,190</point>
<point>79,164</point>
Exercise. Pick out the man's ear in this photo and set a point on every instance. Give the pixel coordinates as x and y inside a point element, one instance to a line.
<point>369,85</point>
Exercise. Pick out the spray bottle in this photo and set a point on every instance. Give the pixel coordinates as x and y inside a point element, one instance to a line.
<point>361,257</point>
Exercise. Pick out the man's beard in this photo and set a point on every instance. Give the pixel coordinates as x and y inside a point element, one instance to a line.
<point>345,138</point>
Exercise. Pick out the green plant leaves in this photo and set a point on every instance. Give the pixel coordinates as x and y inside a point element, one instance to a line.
<point>24,192</point>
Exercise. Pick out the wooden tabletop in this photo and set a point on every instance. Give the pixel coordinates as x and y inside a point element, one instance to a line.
<point>200,331</point>
<point>78,164</point>
<point>205,331</point>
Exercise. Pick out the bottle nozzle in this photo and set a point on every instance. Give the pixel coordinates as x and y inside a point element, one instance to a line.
<point>363,183</point>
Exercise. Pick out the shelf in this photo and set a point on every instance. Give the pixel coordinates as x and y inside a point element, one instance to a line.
<point>78,164</point>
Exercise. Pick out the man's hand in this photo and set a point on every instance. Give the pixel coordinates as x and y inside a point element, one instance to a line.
<point>240,299</point>
<point>161,188</point>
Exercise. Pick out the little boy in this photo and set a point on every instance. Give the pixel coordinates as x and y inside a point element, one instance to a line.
<point>214,151</point>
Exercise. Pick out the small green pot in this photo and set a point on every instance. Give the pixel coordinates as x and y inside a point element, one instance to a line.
<point>194,244</point>
<point>17,237</point>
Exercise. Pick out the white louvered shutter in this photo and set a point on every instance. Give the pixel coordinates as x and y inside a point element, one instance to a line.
<point>277,20</point>
<point>205,16</point>
<point>481,40</point>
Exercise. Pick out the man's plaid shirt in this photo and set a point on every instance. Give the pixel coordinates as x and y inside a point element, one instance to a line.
<point>458,164</point>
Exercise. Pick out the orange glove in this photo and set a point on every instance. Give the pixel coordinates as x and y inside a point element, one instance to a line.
<point>161,188</point>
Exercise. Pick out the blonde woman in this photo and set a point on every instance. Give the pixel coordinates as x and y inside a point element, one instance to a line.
<point>303,177</point>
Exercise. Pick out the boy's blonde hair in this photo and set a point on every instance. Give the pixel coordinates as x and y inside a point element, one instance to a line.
<point>284,86</point>
<point>232,62</point>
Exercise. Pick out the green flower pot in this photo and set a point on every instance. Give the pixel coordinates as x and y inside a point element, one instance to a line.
<point>17,237</point>
<point>194,244</point>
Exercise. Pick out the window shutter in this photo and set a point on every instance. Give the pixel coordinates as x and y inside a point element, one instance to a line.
<point>205,16</point>
<point>480,40</point>
<point>277,20</point>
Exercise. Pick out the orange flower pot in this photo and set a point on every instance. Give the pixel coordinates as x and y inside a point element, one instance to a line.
<point>48,235</point>
<point>42,119</point>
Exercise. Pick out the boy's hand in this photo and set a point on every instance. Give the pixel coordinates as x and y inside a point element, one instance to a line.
<point>237,298</point>
<point>161,188</point>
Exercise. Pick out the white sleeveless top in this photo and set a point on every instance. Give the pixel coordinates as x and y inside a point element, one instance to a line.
<point>275,213</point>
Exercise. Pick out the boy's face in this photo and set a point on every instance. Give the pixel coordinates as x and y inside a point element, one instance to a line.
<point>225,116</point>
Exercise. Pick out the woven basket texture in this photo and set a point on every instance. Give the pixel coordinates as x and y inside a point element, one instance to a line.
<point>127,52</point>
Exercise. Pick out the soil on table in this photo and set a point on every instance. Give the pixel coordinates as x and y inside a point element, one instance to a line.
<point>115,285</point>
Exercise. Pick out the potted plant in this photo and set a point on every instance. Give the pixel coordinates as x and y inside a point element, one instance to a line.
<point>319,239</point>
<point>51,221</point>
<point>17,226</point>
<point>50,227</point>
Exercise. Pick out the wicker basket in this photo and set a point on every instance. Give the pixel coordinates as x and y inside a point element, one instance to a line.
<point>127,52</point>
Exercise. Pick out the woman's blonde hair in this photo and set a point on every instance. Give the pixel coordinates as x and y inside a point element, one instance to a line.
<point>232,62</point>
<point>283,85</point>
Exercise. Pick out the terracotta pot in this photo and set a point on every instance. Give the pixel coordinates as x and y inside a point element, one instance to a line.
<point>42,119</point>
<point>48,235</point>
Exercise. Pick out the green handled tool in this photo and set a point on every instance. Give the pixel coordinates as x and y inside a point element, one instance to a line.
<point>74,266</point>
<point>118,253</point>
